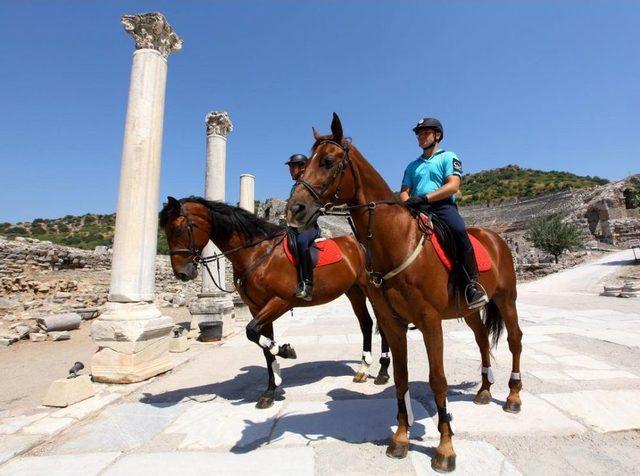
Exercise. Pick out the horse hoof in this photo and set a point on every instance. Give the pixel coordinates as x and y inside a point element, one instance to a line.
<point>443,464</point>
<point>287,352</point>
<point>397,450</point>
<point>264,402</point>
<point>381,380</point>
<point>360,377</point>
<point>512,407</point>
<point>483,397</point>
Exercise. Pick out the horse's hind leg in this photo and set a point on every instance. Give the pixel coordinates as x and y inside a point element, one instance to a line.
<point>383,375</point>
<point>273,368</point>
<point>483,396</point>
<point>507,308</point>
<point>359,305</point>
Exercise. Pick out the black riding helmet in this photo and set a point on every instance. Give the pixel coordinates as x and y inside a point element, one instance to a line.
<point>297,159</point>
<point>429,123</point>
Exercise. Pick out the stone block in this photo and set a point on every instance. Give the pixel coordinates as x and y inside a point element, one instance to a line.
<point>207,309</point>
<point>179,344</point>
<point>67,391</point>
<point>61,465</point>
<point>61,335</point>
<point>60,322</point>
<point>37,337</point>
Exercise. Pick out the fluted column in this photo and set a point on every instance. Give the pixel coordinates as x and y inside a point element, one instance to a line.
<point>131,332</point>
<point>247,200</point>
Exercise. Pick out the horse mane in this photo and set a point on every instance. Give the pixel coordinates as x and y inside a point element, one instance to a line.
<point>345,141</point>
<point>228,219</point>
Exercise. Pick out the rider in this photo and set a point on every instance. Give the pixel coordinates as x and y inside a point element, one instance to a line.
<point>429,184</point>
<point>303,238</point>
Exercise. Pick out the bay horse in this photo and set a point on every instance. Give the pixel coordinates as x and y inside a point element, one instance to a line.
<point>264,276</point>
<point>416,290</point>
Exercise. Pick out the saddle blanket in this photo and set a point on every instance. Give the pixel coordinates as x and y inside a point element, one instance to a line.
<point>327,252</point>
<point>483,259</point>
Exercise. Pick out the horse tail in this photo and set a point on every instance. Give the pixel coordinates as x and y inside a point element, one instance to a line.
<point>493,322</point>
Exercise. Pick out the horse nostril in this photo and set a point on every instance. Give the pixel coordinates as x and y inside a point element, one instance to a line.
<point>182,276</point>
<point>298,208</point>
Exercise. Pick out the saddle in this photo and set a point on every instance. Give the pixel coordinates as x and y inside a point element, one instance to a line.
<point>323,252</point>
<point>425,222</point>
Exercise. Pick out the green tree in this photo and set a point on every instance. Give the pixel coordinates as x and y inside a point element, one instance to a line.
<point>553,236</point>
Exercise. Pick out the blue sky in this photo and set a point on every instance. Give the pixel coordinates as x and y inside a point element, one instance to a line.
<point>541,84</point>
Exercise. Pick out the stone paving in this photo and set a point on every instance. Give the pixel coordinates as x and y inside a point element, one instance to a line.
<point>581,376</point>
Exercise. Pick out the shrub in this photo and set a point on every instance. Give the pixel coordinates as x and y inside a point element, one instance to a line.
<point>553,236</point>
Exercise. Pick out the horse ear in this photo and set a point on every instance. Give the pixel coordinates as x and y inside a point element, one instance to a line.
<point>316,134</point>
<point>336,128</point>
<point>173,204</point>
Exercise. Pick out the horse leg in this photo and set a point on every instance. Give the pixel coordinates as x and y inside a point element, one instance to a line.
<point>507,307</point>
<point>383,375</point>
<point>397,335</point>
<point>260,331</point>
<point>445,457</point>
<point>359,305</point>
<point>483,396</point>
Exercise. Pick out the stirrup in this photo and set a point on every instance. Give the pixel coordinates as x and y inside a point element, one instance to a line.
<point>481,301</point>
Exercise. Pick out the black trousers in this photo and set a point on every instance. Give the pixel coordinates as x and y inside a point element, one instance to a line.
<point>447,211</point>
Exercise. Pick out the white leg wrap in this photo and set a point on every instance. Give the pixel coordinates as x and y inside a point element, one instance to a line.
<point>275,366</point>
<point>267,343</point>
<point>367,358</point>
<point>364,368</point>
<point>515,375</point>
<point>489,372</point>
<point>407,403</point>
<point>385,355</point>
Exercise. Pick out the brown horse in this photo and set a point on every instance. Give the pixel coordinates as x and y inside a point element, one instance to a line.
<point>422,293</point>
<point>264,276</point>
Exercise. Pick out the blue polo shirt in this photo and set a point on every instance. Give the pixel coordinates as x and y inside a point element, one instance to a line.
<point>423,176</point>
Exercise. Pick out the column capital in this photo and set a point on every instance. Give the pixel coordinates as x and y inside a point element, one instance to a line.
<point>218,123</point>
<point>151,30</point>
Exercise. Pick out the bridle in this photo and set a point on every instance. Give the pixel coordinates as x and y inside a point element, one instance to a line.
<point>216,257</point>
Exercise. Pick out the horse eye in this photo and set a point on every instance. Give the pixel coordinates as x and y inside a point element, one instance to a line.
<point>327,162</point>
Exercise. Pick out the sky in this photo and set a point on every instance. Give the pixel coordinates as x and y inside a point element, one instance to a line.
<point>541,84</point>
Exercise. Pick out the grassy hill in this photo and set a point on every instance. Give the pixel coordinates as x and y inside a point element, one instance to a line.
<point>91,230</point>
<point>514,182</point>
<point>86,231</point>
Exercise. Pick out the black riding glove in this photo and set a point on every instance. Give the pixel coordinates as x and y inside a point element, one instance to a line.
<point>414,202</point>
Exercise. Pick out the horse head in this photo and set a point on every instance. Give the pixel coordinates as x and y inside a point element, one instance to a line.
<point>187,227</point>
<point>328,178</point>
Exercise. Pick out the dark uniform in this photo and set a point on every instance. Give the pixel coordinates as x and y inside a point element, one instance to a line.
<point>304,239</point>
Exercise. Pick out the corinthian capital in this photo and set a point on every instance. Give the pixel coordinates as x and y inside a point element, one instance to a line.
<point>218,123</point>
<point>151,30</point>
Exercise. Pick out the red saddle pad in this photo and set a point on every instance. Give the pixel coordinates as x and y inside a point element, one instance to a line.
<point>482,256</point>
<point>328,252</point>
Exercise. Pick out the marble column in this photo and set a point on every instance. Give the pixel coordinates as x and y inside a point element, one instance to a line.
<point>132,334</point>
<point>247,182</point>
<point>213,304</point>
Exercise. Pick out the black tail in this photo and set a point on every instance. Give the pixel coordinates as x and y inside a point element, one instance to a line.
<point>493,322</point>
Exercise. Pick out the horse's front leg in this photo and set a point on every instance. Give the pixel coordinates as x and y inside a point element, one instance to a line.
<point>385,360</point>
<point>260,331</point>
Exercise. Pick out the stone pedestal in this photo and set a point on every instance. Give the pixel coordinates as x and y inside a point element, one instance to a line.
<point>247,197</point>
<point>132,334</point>
<point>134,343</point>
<point>210,307</point>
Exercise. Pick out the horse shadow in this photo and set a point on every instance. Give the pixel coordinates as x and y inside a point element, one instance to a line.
<point>251,382</point>
<point>350,416</point>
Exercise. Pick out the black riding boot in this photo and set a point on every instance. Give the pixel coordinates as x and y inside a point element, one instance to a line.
<point>473,292</point>
<point>304,289</point>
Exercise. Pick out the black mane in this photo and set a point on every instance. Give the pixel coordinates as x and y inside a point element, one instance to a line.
<point>228,219</point>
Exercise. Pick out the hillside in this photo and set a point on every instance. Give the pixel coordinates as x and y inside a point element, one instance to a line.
<point>515,182</point>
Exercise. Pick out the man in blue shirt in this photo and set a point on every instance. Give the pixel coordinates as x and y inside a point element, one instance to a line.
<point>303,238</point>
<point>429,184</point>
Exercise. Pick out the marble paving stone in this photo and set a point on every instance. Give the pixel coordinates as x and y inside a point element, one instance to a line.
<point>628,339</point>
<point>11,445</point>
<point>211,425</point>
<point>535,338</point>
<point>414,335</point>
<point>599,374</point>
<point>332,340</point>
<point>82,409</point>
<point>536,417</point>
<point>354,338</point>
<point>60,465</point>
<point>353,421</point>
<point>550,329</point>
<point>294,461</point>
<point>553,350</point>
<point>538,357</point>
<point>583,361</point>
<point>121,427</point>
<point>548,374</point>
<point>49,425</point>
<point>301,340</point>
<point>473,458</point>
<point>605,410</point>
<point>319,387</point>
<point>10,425</point>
